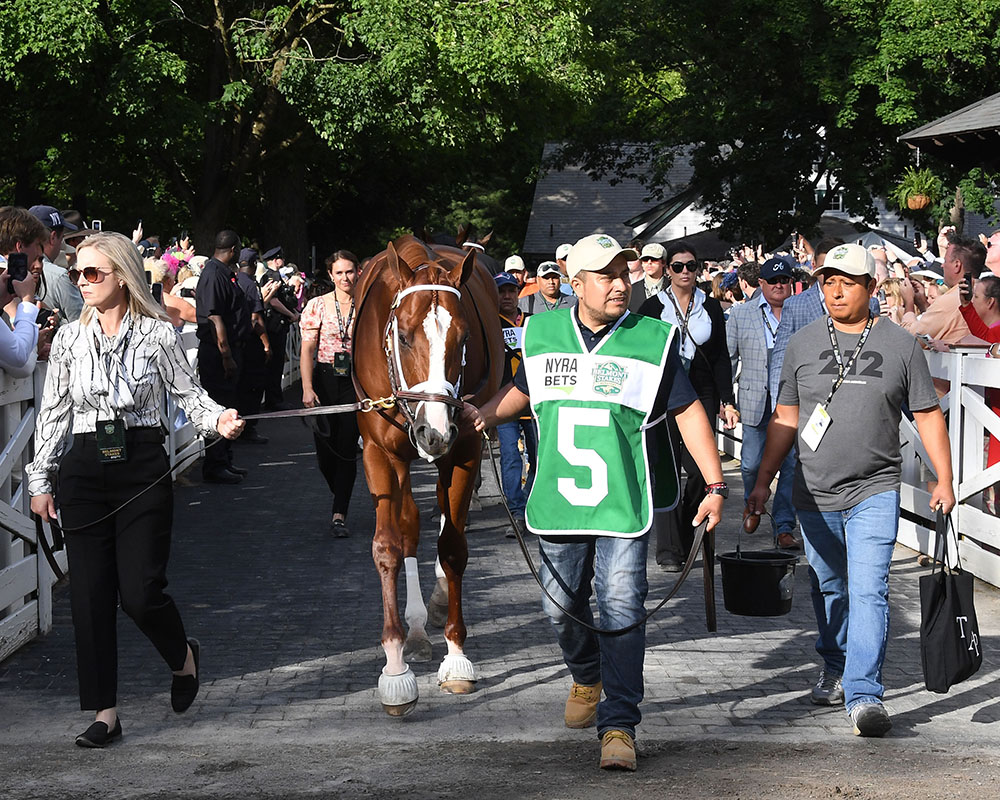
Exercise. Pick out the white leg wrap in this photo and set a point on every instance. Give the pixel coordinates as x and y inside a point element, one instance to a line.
<point>397,690</point>
<point>456,667</point>
<point>416,612</point>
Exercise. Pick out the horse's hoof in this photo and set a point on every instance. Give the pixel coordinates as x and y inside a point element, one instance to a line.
<point>399,711</point>
<point>398,693</point>
<point>417,649</point>
<point>456,674</point>
<point>458,687</point>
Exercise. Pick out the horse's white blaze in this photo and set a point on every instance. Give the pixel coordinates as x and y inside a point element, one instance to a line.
<point>436,325</point>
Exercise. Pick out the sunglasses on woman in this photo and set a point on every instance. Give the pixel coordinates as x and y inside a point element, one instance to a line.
<point>91,274</point>
<point>680,266</point>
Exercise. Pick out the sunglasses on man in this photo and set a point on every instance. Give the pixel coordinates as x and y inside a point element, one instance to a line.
<point>778,279</point>
<point>679,266</point>
<point>650,258</point>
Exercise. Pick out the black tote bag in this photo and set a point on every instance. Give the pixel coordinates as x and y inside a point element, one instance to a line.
<point>950,648</point>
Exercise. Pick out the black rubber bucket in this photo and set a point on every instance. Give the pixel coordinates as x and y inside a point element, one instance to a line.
<point>758,583</point>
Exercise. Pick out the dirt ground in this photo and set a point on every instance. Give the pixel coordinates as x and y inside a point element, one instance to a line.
<point>849,768</point>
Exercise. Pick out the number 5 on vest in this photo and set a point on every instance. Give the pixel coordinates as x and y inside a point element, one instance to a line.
<point>570,419</point>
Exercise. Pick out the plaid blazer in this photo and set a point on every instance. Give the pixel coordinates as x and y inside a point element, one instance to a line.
<point>747,343</point>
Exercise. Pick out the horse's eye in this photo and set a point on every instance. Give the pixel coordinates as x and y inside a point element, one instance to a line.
<point>402,340</point>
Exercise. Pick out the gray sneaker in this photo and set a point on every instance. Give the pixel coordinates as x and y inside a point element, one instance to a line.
<point>828,691</point>
<point>870,719</point>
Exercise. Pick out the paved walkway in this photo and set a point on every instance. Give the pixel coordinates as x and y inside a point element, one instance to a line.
<point>289,619</point>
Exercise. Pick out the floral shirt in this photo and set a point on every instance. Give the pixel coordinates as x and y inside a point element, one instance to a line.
<point>319,323</point>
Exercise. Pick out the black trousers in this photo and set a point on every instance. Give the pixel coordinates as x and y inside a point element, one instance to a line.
<point>675,533</point>
<point>123,558</point>
<point>273,394</point>
<point>251,383</point>
<point>336,436</point>
<point>225,392</point>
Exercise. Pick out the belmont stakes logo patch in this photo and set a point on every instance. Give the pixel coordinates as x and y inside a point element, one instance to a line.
<point>609,378</point>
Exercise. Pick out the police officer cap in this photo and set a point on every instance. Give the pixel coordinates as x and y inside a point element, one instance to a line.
<point>274,252</point>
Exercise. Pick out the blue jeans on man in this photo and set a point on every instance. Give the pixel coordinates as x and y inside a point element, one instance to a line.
<point>617,568</point>
<point>512,464</point>
<point>751,454</point>
<point>853,614</point>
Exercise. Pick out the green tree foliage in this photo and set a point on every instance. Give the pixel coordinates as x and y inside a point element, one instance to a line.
<point>230,111</point>
<point>777,95</point>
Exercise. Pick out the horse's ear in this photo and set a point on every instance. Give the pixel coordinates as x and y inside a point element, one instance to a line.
<point>424,235</point>
<point>400,269</point>
<point>486,239</point>
<point>461,236</point>
<point>460,273</point>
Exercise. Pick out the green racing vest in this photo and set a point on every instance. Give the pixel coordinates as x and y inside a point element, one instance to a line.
<point>593,409</point>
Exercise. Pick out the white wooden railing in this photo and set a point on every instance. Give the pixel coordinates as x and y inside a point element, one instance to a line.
<point>26,579</point>
<point>969,420</point>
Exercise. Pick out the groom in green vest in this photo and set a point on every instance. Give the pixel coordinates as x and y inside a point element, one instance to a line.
<point>600,382</point>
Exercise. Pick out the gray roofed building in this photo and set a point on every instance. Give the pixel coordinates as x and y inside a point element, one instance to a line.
<point>968,137</point>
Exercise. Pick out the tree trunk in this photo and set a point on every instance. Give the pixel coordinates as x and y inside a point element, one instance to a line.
<point>956,213</point>
<point>283,195</point>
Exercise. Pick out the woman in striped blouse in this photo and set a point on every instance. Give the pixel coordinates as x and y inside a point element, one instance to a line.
<point>106,380</point>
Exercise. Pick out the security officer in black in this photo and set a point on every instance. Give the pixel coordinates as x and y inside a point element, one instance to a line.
<point>223,328</point>
<point>257,349</point>
<point>281,313</point>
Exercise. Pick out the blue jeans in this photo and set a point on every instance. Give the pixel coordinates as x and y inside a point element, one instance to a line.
<point>853,615</point>
<point>619,566</point>
<point>512,465</point>
<point>751,453</point>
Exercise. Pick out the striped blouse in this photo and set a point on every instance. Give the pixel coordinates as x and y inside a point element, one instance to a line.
<point>95,377</point>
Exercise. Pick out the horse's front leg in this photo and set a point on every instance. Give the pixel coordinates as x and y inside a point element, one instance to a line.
<point>455,484</point>
<point>417,647</point>
<point>397,686</point>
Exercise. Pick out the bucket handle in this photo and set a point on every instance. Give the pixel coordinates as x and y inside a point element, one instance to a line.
<point>754,525</point>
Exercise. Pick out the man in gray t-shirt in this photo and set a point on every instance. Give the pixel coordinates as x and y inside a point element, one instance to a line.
<point>843,382</point>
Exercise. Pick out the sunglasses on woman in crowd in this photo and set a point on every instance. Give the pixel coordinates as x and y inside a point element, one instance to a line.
<point>91,274</point>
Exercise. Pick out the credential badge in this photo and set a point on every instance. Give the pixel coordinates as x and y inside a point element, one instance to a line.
<point>609,378</point>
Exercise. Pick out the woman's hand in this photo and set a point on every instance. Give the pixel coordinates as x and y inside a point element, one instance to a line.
<point>45,506</point>
<point>230,425</point>
<point>309,398</point>
<point>730,416</point>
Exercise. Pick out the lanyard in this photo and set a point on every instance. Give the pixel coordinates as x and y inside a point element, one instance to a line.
<point>345,336</point>
<point>682,319</point>
<point>843,369</point>
<point>767,322</point>
<point>546,302</point>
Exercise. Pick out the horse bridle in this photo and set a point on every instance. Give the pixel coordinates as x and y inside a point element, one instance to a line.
<point>397,380</point>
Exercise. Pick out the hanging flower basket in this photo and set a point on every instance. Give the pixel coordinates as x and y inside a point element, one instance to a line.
<point>917,189</point>
<point>916,202</point>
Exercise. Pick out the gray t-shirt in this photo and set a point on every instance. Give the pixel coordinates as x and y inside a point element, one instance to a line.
<point>858,456</point>
<point>537,303</point>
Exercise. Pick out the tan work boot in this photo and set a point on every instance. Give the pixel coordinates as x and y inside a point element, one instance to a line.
<point>581,705</point>
<point>617,750</point>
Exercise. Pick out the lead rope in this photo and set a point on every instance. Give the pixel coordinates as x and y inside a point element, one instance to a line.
<point>696,546</point>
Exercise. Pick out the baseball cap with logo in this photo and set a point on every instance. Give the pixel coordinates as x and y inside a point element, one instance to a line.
<point>593,253</point>
<point>562,251</point>
<point>513,264</point>
<point>654,250</point>
<point>51,218</point>
<point>548,268</point>
<point>506,279</point>
<point>774,267</point>
<point>851,259</point>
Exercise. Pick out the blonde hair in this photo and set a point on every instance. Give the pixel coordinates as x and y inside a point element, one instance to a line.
<point>127,267</point>
<point>893,289</point>
<point>156,267</point>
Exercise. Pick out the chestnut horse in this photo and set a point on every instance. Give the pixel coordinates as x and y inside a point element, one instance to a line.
<point>427,332</point>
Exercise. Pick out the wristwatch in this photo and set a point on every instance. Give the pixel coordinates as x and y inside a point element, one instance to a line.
<point>720,489</point>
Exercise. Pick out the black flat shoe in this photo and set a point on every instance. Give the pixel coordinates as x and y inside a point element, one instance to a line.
<point>238,470</point>
<point>184,688</point>
<point>339,529</point>
<point>98,735</point>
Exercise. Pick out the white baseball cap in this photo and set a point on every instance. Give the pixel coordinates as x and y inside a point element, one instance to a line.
<point>654,250</point>
<point>513,264</point>
<point>548,268</point>
<point>593,253</point>
<point>851,259</point>
<point>562,251</point>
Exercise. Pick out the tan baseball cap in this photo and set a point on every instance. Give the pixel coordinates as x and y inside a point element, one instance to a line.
<point>593,253</point>
<point>562,251</point>
<point>513,264</point>
<point>851,259</point>
<point>654,250</point>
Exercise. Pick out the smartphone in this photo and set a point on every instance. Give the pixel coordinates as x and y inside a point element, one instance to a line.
<point>96,224</point>
<point>967,288</point>
<point>157,289</point>
<point>149,277</point>
<point>17,269</point>
<point>43,317</point>
<point>917,236</point>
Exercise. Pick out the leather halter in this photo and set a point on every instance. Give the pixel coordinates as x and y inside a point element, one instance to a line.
<point>397,381</point>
